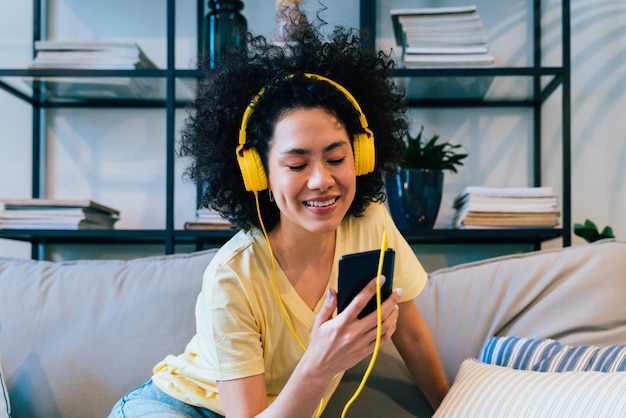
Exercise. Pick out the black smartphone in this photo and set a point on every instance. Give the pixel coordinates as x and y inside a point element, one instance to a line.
<point>356,271</point>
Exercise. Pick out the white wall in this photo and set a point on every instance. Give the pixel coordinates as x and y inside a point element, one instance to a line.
<point>116,156</point>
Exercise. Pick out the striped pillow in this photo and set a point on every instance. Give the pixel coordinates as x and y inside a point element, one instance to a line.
<point>547,355</point>
<point>485,390</point>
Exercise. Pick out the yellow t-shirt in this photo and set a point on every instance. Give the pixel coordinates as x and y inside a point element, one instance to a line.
<point>240,329</point>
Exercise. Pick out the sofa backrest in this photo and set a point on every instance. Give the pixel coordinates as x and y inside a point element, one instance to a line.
<point>574,294</point>
<point>75,336</point>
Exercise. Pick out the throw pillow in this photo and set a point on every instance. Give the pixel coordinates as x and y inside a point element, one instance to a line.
<point>5,406</point>
<point>546,355</point>
<point>485,390</point>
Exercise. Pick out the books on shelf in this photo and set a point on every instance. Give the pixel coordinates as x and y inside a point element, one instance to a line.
<point>208,219</point>
<point>98,55</point>
<point>56,214</point>
<point>506,207</point>
<point>93,55</point>
<point>441,37</point>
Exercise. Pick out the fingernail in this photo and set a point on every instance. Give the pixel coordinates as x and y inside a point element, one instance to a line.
<point>329,295</point>
<point>399,291</point>
<point>383,279</point>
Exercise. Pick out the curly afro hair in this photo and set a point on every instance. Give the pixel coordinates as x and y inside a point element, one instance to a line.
<point>210,134</point>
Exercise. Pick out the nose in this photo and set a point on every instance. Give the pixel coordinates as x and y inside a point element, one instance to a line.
<point>321,178</point>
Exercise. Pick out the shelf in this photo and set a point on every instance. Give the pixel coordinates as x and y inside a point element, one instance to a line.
<point>469,87</point>
<point>441,87</point>
<point>218,237</point>
<point>99,88</point>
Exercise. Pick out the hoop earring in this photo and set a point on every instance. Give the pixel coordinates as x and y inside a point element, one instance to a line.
<point>271,196</point>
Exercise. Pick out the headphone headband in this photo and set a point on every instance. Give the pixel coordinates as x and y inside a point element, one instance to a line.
<point>250,163</point>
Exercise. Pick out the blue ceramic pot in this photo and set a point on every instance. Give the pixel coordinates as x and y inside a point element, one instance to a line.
<point>414,197</point>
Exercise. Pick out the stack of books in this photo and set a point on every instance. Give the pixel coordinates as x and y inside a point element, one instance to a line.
<point>208,219</point>
<point>506,207</point>
<point>56,214</point>
<point>94,55</point>
<point>441,37</point>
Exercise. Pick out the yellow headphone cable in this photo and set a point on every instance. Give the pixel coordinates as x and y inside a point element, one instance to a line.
<point>283,311</point>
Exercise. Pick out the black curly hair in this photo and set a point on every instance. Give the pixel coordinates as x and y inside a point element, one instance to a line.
<point>210,134</point>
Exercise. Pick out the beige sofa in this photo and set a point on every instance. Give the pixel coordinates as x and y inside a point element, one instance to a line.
<point>75,336</point>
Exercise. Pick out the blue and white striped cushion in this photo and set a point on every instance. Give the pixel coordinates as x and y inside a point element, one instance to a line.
<point>546,355</point>
<point>487,391</point>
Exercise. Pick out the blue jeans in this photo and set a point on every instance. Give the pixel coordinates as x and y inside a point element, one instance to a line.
<point>151,402</point>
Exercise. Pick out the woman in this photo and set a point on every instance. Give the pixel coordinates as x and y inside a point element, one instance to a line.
<point>292,144</point>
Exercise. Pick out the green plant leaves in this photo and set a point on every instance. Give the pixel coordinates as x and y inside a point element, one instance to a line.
<point>589,231</point>
<point>432,155</point>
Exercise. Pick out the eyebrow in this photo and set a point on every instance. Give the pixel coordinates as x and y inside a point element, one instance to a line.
<point>304,151</point>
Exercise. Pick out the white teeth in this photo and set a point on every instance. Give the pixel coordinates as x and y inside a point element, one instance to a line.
<point>321,204</point>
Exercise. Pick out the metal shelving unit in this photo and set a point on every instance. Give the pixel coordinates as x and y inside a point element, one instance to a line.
<point>169,237</point>
<point>558,77</point>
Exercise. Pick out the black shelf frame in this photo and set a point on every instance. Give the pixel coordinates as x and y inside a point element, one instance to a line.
<point>560,77</point>
<point>169,237</point>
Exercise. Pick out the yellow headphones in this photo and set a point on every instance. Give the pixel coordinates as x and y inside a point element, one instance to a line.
<point>254,177</point>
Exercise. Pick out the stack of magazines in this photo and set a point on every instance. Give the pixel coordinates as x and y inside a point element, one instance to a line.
<point>208,219</point>
<point>506,207</point>
<point>94,55</point>
<point>56,214</point>
<point>441,37</point>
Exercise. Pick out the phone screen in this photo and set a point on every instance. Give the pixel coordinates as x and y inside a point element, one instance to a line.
<point>356,271</point>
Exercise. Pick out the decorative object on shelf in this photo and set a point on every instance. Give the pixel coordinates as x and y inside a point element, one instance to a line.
<point>224,26</point>
<point>589,231</point>
<point>506,207</point>
<point>415,190</point>
<point>288,15</point>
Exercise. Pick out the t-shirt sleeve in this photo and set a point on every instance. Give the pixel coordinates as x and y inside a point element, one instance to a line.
<point>229,337</point>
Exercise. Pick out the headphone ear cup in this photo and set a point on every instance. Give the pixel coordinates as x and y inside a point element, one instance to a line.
<point>364,155</point>
<point>252,171</point>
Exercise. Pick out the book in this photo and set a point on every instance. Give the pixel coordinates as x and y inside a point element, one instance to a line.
<point>512,207</point>
<point>207,225</point>
<point>508,220</point>
<point>68,224</point>
<point>208,219</point>
<point>90,54</point>
<point>480,203</point>
<point>442,37</point>
<point>429,17</point>
<point>447,60</point>
<point>43,203</point>
<point>56,214</point>
<point>93,55</point>
<point>541,191</point>
<point>458,49</point>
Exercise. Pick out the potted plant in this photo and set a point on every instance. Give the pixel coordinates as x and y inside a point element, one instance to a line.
<point>415,189</point>
<point>589,231</point>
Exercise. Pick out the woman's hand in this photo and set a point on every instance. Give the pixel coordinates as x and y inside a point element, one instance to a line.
<point>341,342</point>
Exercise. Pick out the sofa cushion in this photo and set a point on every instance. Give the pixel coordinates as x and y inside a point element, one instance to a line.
<point>574,295</point>
<point>547,355</point>
<point>78,335</point>
<point>485,390</point>
<point>5,405</point>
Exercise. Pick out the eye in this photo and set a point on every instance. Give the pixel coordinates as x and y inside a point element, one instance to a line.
<point>298,167</point>
<point>336,161</point>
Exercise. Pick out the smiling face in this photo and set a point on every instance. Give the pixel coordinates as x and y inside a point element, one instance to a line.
<point>311,171</point>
